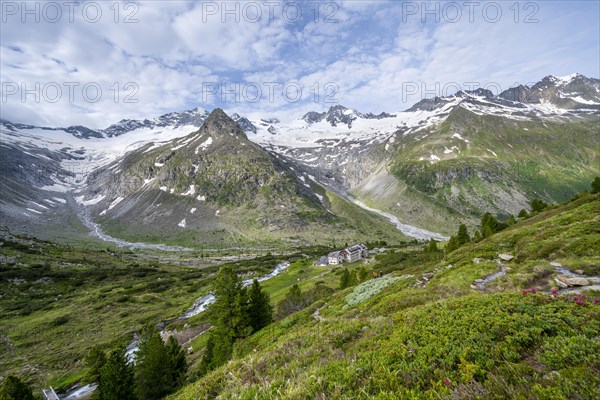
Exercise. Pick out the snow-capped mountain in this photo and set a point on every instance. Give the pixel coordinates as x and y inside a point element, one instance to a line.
<point>339,114</point>
<point>387,159</point>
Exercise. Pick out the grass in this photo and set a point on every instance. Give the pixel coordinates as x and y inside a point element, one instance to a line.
<point>401,340</point>
<point>58,301</point>
<point>444,340</point>
<point>550,160</point>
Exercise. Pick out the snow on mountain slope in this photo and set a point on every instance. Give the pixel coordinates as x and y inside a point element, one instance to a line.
<point>89,154</point>
<point>339,147</point>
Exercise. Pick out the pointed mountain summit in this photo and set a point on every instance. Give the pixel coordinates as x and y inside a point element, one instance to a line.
<point>213,183</point>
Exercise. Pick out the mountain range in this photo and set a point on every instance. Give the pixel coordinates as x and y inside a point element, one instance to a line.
<point>199,177</point>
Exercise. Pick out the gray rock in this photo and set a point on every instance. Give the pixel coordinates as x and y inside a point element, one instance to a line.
<point>571,281</point>
<point>506,257</point>
<point>477,260</point>
<point>561,283</point>
<point>555,264</point>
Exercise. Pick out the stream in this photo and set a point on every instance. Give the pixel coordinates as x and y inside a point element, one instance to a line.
<point>408,230</point>
<point>480,284</point>
<point>199,306</point>
<point>97,231</point>
<point>594,281</point>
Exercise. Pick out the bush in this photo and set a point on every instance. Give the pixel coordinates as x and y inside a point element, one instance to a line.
<point>370,288</point>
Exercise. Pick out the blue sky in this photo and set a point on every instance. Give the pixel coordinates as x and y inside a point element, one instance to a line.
<point>152,57</point>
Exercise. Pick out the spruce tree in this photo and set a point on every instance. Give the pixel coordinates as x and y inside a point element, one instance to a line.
<point>432,246</point>
<point>206,364</point>
<point>240,317</point>
<point>13,388</point>
<point>537,205</point>
<point>222,347</point>
<point>489,225</point>
<point>345,279</point>
<point>259,310</point>
<point>463,235</point>
<point>363,274</point>
<point>116,377</point>
<point>451,245</point>
<point>177,363</point>
<point>152,376</point>
<point>230,310</point>
<point>523,214</point>
<point>596,185</point>
<point>477,236</point>
<point>94,361</point>
<point>293,301</point>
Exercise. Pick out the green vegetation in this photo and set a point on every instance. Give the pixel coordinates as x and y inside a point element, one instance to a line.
<point>160,367</point>
<point>370,288</point>
<point>596,185</point>
<point>13,388</point>
<point>422,331</point>
<point>116,378</point>
<point>235,315</point>
<point>442,339</point>
<point>504,164</point>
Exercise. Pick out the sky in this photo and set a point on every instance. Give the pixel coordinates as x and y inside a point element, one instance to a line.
<point>94,63</point>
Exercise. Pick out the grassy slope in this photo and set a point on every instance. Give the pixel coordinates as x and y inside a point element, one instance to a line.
<point>58,301</point>
<point>551,160</point>
<point>406,341</point>
<point>239,227</point>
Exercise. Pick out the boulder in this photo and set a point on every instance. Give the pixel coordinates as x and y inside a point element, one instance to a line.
<point>506,257</point>
<point>428,275</point>
<point>571,281</point>
<point>560,283</point>
<point>477,260</point>
<point>555,264</point>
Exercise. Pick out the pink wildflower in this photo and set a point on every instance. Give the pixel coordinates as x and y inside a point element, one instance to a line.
<point>447,382</point>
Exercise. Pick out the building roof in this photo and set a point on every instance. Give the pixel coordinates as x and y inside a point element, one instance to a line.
<point>333,254</point>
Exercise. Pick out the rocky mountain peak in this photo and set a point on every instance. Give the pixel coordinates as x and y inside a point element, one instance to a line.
<point>219,123</point>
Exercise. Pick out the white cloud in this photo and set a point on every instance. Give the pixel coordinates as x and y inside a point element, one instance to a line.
<point>369,54</point>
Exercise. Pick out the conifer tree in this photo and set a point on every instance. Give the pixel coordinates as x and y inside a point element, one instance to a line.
<point>537,205</point>
<point>463,235</point>
<point>116,377</point>
<point>177,363</point>
<point>363,274</point>
<point>94,361</point>
<point>489,225</point>
<point>432,246</point>
<point>451,245</point>
<point>596,185</point>
<point>13,388</point>
<point>293,301</point>
<point>523,214</point>
<point>345,279</point>
<point>152,370</point>
<point>230,310</point>
<point>260,309</point>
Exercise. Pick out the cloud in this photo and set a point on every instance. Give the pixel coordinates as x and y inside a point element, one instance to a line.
<point>368,50</point>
